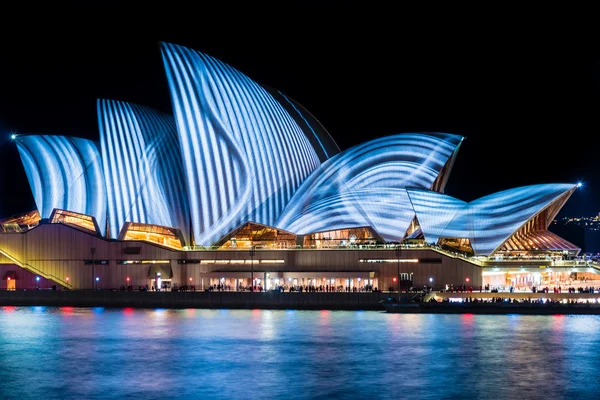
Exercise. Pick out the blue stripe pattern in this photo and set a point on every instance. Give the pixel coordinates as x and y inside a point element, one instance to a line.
<point>236,152</point>
<point>145,182</point>
<point>365,185</point>
<point>64,173</point>
<point>244,156</point>
<point>488,221</point>
<point>316,133</point>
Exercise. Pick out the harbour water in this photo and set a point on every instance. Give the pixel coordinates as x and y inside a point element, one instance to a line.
<point>102,353</point>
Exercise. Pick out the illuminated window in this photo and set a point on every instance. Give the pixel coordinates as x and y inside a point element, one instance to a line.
<point>259,236</point>
<point>389,260</point>
<point>20,223</point>
<point>74,219</point>
<point>340,238</point>
<point>462,245</point>
<point>164,236</point>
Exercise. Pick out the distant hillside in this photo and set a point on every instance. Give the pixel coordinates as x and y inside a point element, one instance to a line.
<point>587,239</point>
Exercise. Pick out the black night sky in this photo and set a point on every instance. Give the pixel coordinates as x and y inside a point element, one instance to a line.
<point>524,93</point>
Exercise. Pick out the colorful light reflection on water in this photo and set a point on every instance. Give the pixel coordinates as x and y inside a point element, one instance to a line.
<point>104,353</point>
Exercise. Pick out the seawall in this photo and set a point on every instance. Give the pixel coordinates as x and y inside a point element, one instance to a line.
<point>233,300</point>
<point>495,308</point>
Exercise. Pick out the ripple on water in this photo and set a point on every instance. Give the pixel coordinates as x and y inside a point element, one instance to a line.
<point>89,353</point>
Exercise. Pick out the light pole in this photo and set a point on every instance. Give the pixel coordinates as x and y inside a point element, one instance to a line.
<point>398,261</point>
<point>252,266</point>
<point>93,251</point>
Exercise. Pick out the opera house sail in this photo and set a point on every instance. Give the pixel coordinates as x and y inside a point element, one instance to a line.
<point>316,133</point>
<point>64,173</point>
<point>142,166</point>
<point>487,223</point>
<point>240,158</point>
<point>238,185</point>
<point>365,186</point>
<point>244,156</point>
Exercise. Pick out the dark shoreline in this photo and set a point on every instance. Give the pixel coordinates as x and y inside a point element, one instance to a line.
<point>494,308</point>
<point>280,301</point>
<point>208,300</point>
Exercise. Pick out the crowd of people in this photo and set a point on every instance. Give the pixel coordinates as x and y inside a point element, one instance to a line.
<point>296,288</point>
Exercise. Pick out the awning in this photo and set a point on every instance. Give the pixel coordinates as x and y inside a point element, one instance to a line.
<point>11,275</point>
<point>165,271</point>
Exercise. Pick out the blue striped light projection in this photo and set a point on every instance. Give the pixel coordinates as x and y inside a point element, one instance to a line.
<point>64,173</point>
<point>365,185</point>
<point>142,164</point>
<point>316,133</point>
<point>488,221</point>
<point>244,156</point>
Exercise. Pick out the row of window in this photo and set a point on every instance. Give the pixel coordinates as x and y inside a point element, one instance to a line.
<point>124,262</point>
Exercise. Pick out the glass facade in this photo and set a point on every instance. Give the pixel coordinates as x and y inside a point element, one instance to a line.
<point>164,236</point>
<point>258,236</point>
<point>341,238</point>
<point>81,221</point>
<point>20,223</point>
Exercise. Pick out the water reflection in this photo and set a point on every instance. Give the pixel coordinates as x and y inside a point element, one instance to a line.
<point>158,353</point>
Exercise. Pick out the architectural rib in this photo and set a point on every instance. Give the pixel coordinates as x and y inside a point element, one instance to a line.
<point>488,221</point>
<point>143,167</point>
<point>244,156</point>
<point>365,185</point>
<point>316,133</point>
<point>64,173</point>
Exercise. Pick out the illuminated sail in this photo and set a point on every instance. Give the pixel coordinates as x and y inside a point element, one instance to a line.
<point>142,164</point>
<point>488,221</point>
<point>64,173</point>
<point>365,185</point>
<point>244,156</point>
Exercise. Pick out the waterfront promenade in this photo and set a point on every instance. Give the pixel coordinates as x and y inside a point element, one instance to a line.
<point>433,302</point>
<point>212,299</point>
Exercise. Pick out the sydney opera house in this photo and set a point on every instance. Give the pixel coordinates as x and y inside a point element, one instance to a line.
<point>241,185</point>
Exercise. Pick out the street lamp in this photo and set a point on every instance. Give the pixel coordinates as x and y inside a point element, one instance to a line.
<point>252,267</point>
<point>398,262</point>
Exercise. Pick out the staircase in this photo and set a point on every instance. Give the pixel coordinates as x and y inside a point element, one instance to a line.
<point>36,271</point>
